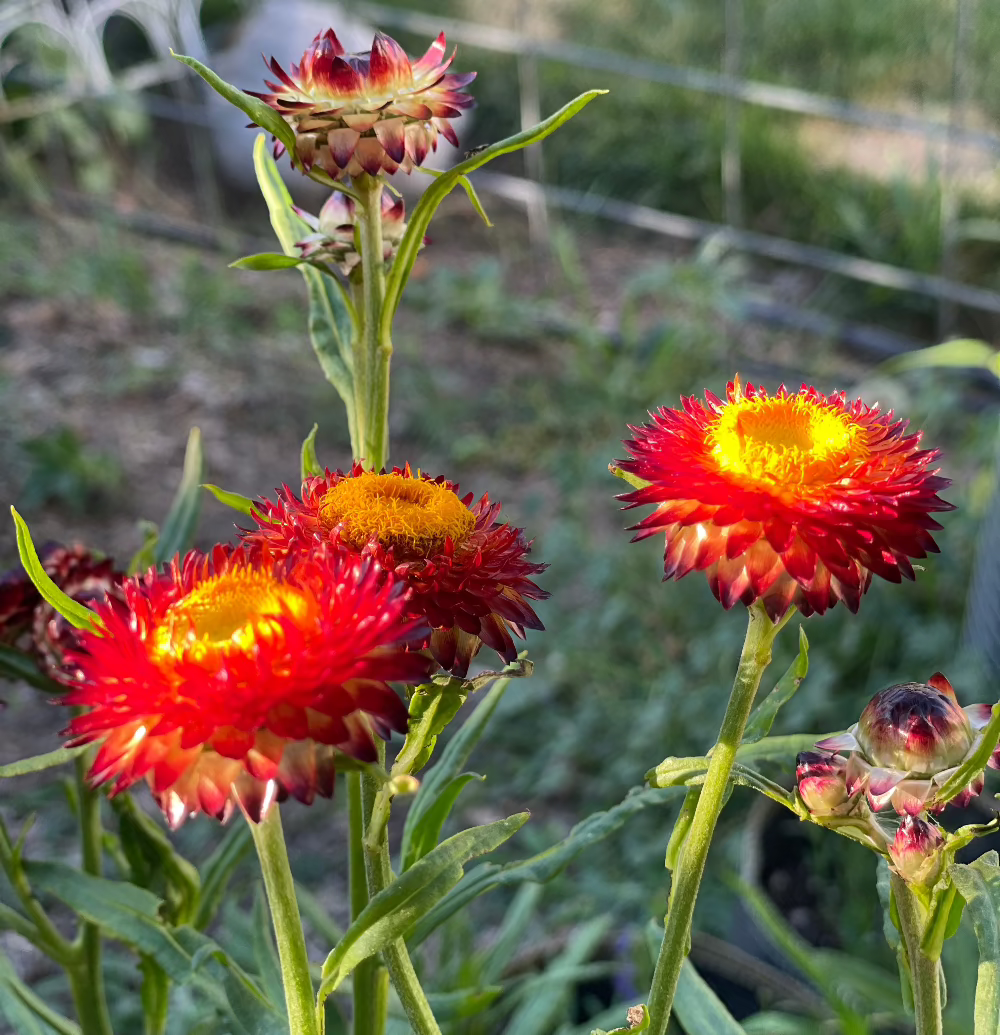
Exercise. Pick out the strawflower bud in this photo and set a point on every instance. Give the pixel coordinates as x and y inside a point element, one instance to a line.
<point>909,740</point>
<point>821,782</point>
<point>334,238</point>
<point>915,851</point>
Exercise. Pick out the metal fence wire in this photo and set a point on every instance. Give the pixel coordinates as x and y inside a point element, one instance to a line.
<point>79,25</point>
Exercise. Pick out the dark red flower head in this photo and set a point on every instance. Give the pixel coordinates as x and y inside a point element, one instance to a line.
<point>467,573</point>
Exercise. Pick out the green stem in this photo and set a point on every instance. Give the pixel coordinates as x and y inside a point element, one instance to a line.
<point>373,351</point>
<point>269,841</point>
<point>690,866</point>
<point>395,954</point>
<point>370,979</point>
<point>924,975</point>
<point>87,976</point>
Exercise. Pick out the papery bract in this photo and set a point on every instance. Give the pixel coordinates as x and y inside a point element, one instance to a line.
<point>468,574</point>
<point>795,499</point>
<point>915,851</point>
<point>371,112</point>
<point>237,679</point>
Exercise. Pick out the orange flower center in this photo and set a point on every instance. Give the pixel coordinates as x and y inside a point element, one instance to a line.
<point>233,610</point>
<point>412,516</point>
<point>790,443</point>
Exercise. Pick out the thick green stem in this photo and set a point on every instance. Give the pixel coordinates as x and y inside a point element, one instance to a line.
<point>373,351</point>
<point>269,841</point>
<point>395,954</point>
<point>87,977</point>
<point>756,656</point>
<point>370,979</point>
<point>924,974</point>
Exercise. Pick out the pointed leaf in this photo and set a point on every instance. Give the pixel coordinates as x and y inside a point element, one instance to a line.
<point>256,110</point>
<point>177,532</point>
<point>426,832</point>
<point>145,557</point>
<point>979,884</point>
<point>216,872</point>
<point>27,1012</point>
<point>76,614</point>
<point>39,762</point>
<point>243,504</point>
<point>394,911</point>
<point>962,352</point>
<point>267,261</point>
<point>973,766</point>
<point>545,865</point>
<point>331,323</point>
<point>698,1009</point>
<point>419,221</point>
<point>450,765</point>
<point>309,463</point>
<point>762,717</point>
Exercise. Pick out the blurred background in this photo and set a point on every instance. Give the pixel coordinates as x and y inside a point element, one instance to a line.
<point>798,190</point>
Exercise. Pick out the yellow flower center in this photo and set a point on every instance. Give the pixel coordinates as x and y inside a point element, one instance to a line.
<point>233,610</point>
<point>790,443</point>
<point>412,516</point>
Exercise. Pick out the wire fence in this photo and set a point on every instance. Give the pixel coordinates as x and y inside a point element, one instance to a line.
<point>80,25</point>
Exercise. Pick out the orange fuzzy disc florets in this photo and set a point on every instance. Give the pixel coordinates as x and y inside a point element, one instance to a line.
<point>467,573</point>
<point>237,679</point>
<point>794,499</point>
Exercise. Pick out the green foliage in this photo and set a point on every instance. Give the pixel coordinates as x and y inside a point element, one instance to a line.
<point>66,472</point>
<point>979,884</point>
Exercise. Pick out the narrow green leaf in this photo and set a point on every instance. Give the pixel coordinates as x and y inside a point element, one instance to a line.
<point>450,765</point>
<point>309,463</point>
<point>961,352</point>
<point>634,480</point>
<point>39,762</point>
<point>681,827</point>
<point>762,717</point>
<point>545,998</point>
<point>394,911</point>
<point>145,557</point>
<point>698,1009</point>
<point>121,910</point>
<point>331,321</point>
<point>420,218</point>
<point>772,1023</point>
<point>267,261</point>
<point>16,664</point>
<point>316,915</point>
<point>243,504</point>
<point>511,935</point>
<point>177,532</point>
<point>27,1012</point>
<point>973,766</point>
<point>979,884</point>
<point>255,109</point>
<point>545,865</point>
<point>265,953</point>
<point>427,831</point>
<point>76,614</point>
<point>216,872</point>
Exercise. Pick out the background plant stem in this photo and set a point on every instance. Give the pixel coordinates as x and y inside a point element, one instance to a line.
<point>87,977</point>
<point>372,354</point>
<point>370,979</point>
<point>397,958</point>
<point>756,656</point>
<point>269,841</point>
<point>924,975</point>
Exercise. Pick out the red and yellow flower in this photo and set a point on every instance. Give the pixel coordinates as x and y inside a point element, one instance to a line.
<point>794,499</point>
<point>233,678</point>
<point>371,112</point>
<point>467,573</point>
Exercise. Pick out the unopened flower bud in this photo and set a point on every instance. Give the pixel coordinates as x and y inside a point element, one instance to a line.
<point>915,852</point>
<point>914,727</point>
<point>820,781</point>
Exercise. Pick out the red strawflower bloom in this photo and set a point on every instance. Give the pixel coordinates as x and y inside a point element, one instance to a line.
<point>371,112</point>
<point>794,499</point>
<point>467,573</point>
<point>231,678</point>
